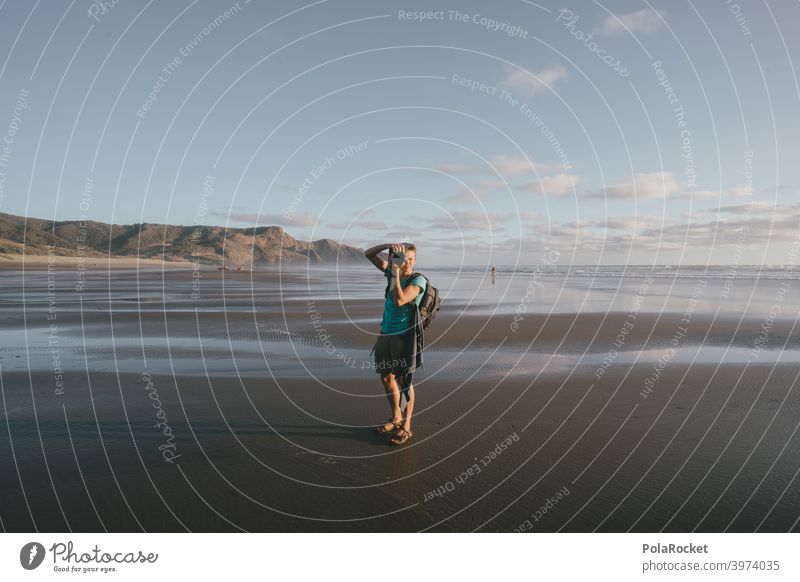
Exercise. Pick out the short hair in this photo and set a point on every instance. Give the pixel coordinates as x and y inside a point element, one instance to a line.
<point>410,247</point>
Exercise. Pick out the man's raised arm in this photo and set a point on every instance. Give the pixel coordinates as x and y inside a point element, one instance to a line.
<point>377,260</point>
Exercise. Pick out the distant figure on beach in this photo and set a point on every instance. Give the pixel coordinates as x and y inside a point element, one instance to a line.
<point>396,351</point>
<point>494,271</point>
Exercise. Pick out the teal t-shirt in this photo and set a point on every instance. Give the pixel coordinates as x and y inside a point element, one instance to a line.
<point>397,320</point>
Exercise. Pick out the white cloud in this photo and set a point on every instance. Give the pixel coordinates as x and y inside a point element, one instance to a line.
<point>678,235</point>
<point>696,194</point>
<point>628,223</point>
<point>660,185</point>
<point>741,191</point>
<point>530,216</point>
<point>362,213</point>
<point>735,192</point>
<point>641,238</point>
<point>369,225</point>
<point>505,165</point>
<point>644,185</point>
<point>296,219</point>
<point>643,21</point>
<point>520,166</point>
<point>532,82</point>
<point>558,185</point>
<point>469,220</point>
<point>758,207</point>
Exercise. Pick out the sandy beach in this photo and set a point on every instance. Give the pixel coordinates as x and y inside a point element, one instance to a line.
<point>245,401</point>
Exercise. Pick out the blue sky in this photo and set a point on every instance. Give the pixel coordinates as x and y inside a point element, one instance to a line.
<point>484,133</point>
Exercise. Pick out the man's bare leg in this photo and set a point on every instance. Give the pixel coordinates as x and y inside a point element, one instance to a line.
<point>409,408</point>
<point>393,395</point>
<point>402,435</point>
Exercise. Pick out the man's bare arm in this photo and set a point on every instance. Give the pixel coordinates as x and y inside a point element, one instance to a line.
<point>378,260</point>
<point>403,296</point>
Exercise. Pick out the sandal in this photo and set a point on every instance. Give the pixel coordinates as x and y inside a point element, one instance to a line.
<point>401,436</point>
<point>383,430</point>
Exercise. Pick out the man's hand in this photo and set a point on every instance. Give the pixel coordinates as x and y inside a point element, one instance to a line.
<point>396,248</point>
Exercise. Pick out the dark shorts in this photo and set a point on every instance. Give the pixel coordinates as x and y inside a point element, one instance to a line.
<point>391,354</point>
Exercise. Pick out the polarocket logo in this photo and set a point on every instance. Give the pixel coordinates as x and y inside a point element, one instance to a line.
<point>31,555</point>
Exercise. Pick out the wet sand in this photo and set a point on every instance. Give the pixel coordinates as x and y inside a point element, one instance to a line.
<point>17,262</point>
<point>270,411</point>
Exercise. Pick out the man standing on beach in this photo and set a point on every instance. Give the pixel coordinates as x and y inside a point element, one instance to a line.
<point>394,350</point>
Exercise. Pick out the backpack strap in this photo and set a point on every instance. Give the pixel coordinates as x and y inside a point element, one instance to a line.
<point>388,274</point>
<point>414,275</point>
